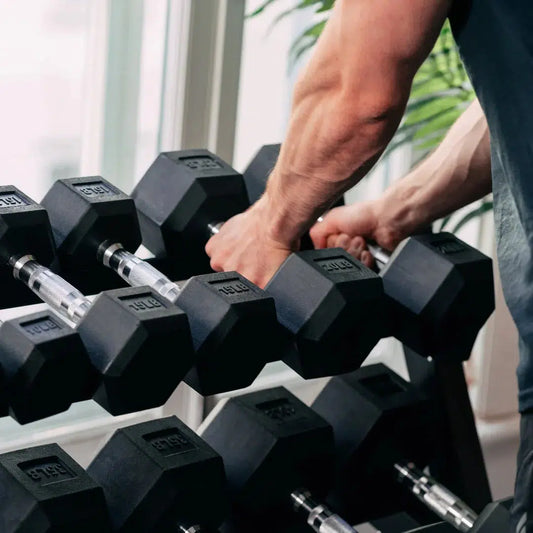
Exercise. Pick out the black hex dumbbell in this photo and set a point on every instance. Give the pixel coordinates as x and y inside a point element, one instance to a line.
<point>379,420</point>
<point>159,476</point>
<point>278,454</point>
<point>45,365</point>
<point>139,344</point>
<point>378,457</point>
<point>233,322</point>
<point>441,292</point>
<point>329,302</point>
<point>440,289</point>
<point>43,490</point>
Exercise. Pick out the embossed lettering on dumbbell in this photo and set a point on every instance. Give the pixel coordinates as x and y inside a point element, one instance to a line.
<point>47,471</point>
<point>41,326</point>
<point>230,287</point>
<point>279,410</point>
<point>169,442</point>
<point>336,264</point>
<point>449,246</point>
<point>12,199</point>
<point>95,188</point>
<point>142,302</point>
<point>200,163</point>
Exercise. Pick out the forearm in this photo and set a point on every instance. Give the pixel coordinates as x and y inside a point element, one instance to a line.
<point>326,152</point>
<point>457,173</point>
<point>347,105</point>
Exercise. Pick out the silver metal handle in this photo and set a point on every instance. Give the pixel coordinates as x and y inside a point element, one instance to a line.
<point>51,288</point>
<point>137,272</point>
<point>381,255</point>
<point>214,227</point>
<point>437,497</point>
<point>319,517</point>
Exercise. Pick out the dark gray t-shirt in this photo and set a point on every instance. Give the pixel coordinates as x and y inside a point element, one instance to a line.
<point>495,38</point>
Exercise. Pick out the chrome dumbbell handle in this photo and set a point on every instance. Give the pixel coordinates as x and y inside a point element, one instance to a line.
<point>319,517</point>
<point>437,497</point>
<point>137,272</point>
<point>51,288</point>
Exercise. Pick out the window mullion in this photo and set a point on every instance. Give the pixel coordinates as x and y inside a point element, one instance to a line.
<point>123,70</point>
<point>208,59</point>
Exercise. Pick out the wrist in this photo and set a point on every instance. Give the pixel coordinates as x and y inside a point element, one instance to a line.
<point>276,224</point>
<point>290,205</point>
<point>400,214</point>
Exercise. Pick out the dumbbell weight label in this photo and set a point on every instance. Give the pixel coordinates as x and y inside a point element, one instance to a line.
<point>449,246</point>
<point>230,287</point>
<point>199,162</point>
<point>382,386</point>
<point>280,410</point>
<point>41,326</point>
<point>12,199</point>
<point>47,471</point>
<point>95,189</point>
<point>336,265</point>
<point>169,442</point>
<point>140,303</point>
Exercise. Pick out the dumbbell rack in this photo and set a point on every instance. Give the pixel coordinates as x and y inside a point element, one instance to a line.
<point>462,467</point>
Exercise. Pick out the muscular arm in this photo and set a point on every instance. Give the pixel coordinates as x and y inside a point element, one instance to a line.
<point>454,175</point>
<point>347,105</point>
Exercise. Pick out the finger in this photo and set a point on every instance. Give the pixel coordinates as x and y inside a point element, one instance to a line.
<point>355,219</point>
<point>356,247</point>
<point>367,259</point>
<point>343,241</point>
<point>331,241</point>
<point>358,243</point>
<point>216,265</point>
<point>209,247</point>
<point>354,251</point>
<point>320,232</point>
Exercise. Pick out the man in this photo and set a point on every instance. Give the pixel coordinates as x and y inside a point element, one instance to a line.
<point>347,104</point>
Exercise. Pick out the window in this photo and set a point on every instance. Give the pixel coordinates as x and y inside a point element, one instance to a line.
<point>43,59</point>
<point>80,94</point>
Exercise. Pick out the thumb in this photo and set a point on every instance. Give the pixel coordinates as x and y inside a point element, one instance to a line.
<point>353,220</point>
